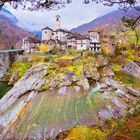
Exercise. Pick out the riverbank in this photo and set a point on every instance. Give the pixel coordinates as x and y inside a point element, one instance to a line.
<point>64,92</point>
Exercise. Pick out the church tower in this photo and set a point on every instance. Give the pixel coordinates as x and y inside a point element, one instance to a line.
<point>57,22</point>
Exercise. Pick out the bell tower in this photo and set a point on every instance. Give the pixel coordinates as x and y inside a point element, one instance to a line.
<point>57,22</point>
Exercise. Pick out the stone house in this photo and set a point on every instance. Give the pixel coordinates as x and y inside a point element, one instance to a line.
<point>30,44</point>
<point>65,39</point>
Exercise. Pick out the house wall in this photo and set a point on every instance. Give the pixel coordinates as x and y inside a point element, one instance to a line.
<point>94,36</point>
<point>60,35</point>
<point>29,47</point>
<point>46,34</point>
<point>82,44</point>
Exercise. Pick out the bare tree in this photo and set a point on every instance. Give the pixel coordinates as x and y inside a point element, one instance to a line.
<point>47,4</point>
<point>57,4</point>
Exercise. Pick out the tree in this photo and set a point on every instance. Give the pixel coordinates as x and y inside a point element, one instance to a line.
<point>132,24</point>
<point>56,4</point>
<point>48,4</point>
<point>44,48</point>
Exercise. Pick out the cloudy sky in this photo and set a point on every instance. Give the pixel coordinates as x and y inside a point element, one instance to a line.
<point>72,15</point>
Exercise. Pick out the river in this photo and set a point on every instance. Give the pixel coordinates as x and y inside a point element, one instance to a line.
<point>4,88</point>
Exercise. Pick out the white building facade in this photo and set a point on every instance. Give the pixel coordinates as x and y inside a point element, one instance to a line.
<point>72,40</point>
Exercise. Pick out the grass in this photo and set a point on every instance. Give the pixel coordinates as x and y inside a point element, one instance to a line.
<point>133,39</point>
<point>127,79</point>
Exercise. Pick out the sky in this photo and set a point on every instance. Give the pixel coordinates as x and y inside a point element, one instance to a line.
<point>72,15</point>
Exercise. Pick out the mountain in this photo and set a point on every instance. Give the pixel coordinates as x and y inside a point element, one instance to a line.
<point>5,14</point>
<point>109,22</point>
<point>10,34</point>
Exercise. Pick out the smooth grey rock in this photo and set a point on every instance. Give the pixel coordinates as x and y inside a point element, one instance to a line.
<point>107,72</point>
<point>84,83</point>
<point>33,80</point>
<point>62,91</point>
<point>77,88</point>
<point>132,69</point>
<point>90,72</point>
<point>133,91</point>
<point>102,60</point>
<point>74,78</point>
<point>105,114</point>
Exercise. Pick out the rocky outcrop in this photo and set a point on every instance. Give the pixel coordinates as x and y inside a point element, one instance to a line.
<point>64,98</point>
<point>132,69</point>
<point>102,60</point>
<point>84,83</point>
<point>90,72</point>
<point>33,80</point>
<point>13,78</point>
<point>107,72</point>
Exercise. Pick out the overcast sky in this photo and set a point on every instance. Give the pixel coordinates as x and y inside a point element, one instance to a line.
<point>72,15</point>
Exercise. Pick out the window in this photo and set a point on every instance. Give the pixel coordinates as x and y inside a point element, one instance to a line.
<point>45,31</point>
<point>57,19</point>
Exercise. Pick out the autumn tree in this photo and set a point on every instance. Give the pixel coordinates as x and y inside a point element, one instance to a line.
<point>56,4</point>
<point>132,24</point>
<point>44,48</point>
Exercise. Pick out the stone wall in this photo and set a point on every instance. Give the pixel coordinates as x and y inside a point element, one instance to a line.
<point>4,63</point>
<point>6,60</point>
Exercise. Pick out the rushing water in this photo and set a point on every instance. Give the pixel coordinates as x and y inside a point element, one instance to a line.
<point>4,88</point>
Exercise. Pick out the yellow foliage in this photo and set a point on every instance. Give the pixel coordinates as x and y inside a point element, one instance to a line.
<point>116,67</point>
<point>85,133</point>
<point>106,50</point>
<point>44,48</point>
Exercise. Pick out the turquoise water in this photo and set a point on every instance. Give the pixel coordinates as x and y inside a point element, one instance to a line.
<point>4,88</point>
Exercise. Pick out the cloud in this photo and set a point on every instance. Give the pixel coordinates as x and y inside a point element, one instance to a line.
<point>72,15</point>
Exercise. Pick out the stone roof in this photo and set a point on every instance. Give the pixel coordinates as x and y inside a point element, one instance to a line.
<point>47,28</point>
<point>94,31</point>
<point>62,30</point>
<point>57,41</point>
<point>78,36</point>
<point>33,40</point>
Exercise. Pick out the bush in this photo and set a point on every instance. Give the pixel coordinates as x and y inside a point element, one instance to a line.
<point>44,48</point>
<point>106,50</point>
<point>116,67</point>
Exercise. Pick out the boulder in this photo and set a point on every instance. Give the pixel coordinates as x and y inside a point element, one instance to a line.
<point>62,90</point>
<point>107,72</point>
<point>33,80</point>
<point>77,88</point>
<point>90,72</point>
<point>134,92</point>
<point>105,114</point>
<point>84,83</point>
<point>13,78</point>
<point>74,78</point>
<point>65,81</point>
<point>132,69</point>
<point>102,60</point>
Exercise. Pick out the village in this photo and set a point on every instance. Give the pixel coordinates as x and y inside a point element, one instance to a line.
<point>64,39</point>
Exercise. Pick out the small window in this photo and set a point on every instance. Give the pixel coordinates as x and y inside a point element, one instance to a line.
<point>45,31</point>
<point>57,19</point>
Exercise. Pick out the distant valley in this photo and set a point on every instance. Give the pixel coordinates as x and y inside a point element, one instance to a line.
<point>10,34</point>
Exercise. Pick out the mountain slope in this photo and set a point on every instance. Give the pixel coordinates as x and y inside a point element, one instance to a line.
<point>10,34</point>
<point>108,22</point>
<point>4,13</point>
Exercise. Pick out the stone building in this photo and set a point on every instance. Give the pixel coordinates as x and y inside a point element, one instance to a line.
<point>69,40</point>
<point>30,44</point>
